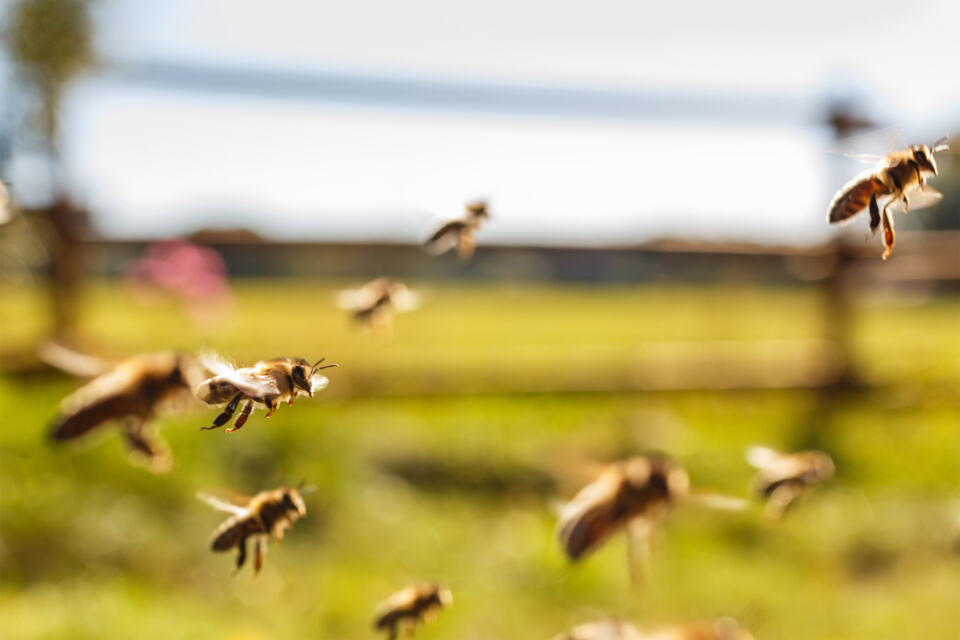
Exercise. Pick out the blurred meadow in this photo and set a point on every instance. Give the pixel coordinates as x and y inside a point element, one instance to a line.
<point>415,483</point>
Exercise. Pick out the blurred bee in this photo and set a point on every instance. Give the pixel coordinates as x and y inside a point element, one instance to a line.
<point>131,392</point>
<point>784,477</point>
<point>901,177</point>
<point>267,514</point>
<point>635,494</point>
<point>5,213</point>
<point>459,233</point>
<point>373,304</point>
<point>266,383</point>
<point>720,629</point>
<point>602,630</point>
<point>413,604</point>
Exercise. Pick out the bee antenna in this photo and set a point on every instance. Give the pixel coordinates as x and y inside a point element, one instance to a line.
<point>941,144</point>
<point>317,366</point>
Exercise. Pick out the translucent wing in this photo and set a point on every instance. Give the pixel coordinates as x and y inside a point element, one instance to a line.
<point>760,457</point>
<point>920,199</point>
<point>352,299</point>
<point>318,382</point>
<point>81,365</point>
<point>224,505</point>
<point>245,380</point>
<point>403,299</point>
<point>718,502</point>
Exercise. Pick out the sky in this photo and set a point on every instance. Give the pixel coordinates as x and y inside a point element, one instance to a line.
<point>157,158</point>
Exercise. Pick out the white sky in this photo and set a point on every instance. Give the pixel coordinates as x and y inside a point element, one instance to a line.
<point>155,162</point>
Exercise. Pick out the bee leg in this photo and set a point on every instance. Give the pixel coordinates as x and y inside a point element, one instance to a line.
<point>874,214</point>
<point>270,405</point>
<point>241,553</point>
<point>889,237</point>
<point>242,418</point>
<point>258,549</point>
<point>906,204</point>
<point>227,413</point>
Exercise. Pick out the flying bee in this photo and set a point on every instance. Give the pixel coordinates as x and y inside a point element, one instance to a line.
<point>266,515</point>
<point>901,177</point>
<point>266,383</point>
<point>634,494</point>
<point>130,392</point>
<point>783,477</point>
<point>602,630</point>
<point>459,233</point>
<point>413,604</point>
<point>373,304</point>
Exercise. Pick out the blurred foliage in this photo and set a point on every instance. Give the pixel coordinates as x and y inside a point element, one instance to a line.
<point>89,543</point>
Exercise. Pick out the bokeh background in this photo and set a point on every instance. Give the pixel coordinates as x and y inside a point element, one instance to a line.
<point>658,275</point>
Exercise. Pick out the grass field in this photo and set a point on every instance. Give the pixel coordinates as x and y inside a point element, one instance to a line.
<point>500,391</point>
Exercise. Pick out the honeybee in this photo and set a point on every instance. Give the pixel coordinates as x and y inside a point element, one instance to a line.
<point>784,477</point>
<point>373,304</point>
<point>414,604</point>
<point>459,233</point>
<point>266,383</point>
<point>130,392</point>
<point>901,177</point>
<point>602,630</point>
<point>265,515</point>
<point>720,629</point>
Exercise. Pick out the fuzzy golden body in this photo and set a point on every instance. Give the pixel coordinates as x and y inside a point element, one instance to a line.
<point>641,488</point>
<point>374,303</point>
<point>412,604</point>
<point>131,392</point>
<point>267,383</point>
<point>266,515</point>
<point>901,177</point>
<point>459,233</point>
<point>783,477</point>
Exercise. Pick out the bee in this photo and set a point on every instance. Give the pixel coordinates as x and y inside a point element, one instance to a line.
<point>638,491</point>
<point>373,304</point>
<point>266,383</point>
<point>459,233</point>
<point>130,392</point>
<point>415,603</point>
<point>265,515</point>
<point>611,629</point>
<point>783,477</point>
<point>5,213</point>
<point>901,177</point>
<point>720,629</point>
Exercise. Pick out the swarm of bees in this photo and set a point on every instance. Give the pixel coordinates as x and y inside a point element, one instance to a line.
<point>900,178</point>
<point>265,515</point>
<point>458,233</point>
<point>267,383</point>
<point>783,477</point>
<point>373,304</point>
<point>413,604</point>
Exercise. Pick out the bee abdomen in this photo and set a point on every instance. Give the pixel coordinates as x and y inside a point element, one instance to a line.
<point>234,531</point>
<point>216,391</point>
<point>854,198</point>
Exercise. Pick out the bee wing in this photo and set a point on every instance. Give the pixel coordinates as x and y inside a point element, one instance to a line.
<point>760,457</point>
<point>224,505</point>
<point>717,501</point>
<point>403,299</point>
<point>589,518</point>
<point>243,379</point>
<point>854,197</point>
<point>353,299</point>
<point>445,238</point>
<point>74,363</point>
<point>921,199</point>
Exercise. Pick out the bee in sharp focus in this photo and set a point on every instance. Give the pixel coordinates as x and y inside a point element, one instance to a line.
<point>266,515</point>
<point>611,629</point>
<point>901,177</point>
<point>459,233</point>
<point>413,604</point>
<point>131,392</point>
<point>636,492</point>
<point>783,477</point>
<point>373,304</point>
<point>266,383</point>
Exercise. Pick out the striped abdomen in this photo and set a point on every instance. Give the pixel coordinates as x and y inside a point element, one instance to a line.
<point>855,197</point>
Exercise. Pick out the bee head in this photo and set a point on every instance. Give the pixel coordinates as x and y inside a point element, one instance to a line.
<point>301,374</point>
<point>293,501</point>
<point>478,210</point>
<point>923,154</point>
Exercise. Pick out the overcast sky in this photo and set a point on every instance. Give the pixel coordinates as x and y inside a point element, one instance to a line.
<point>164,160</point>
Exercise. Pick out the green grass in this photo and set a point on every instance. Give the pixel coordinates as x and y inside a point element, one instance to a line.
<point>91,546</point>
